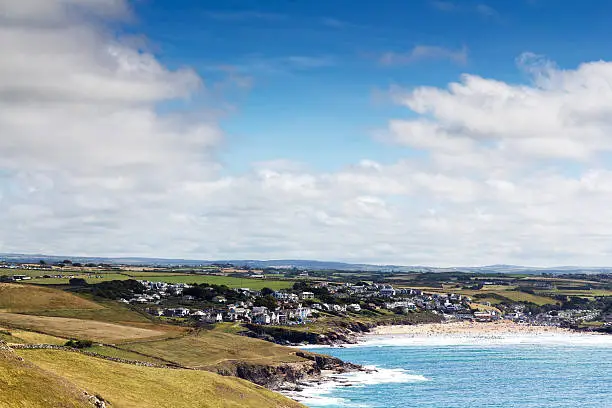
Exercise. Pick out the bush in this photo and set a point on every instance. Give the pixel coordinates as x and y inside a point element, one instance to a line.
<point>77,282</point>
<point>79,344</point>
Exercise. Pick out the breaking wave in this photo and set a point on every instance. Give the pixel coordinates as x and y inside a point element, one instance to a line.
<point>318,395</point>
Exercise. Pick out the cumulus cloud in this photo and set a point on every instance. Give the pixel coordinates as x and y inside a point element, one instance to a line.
<point>93,162</point>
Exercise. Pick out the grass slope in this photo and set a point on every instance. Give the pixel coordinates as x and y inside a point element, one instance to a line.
<point>207,349</point>
<point>80,329</point>
<point>30,299</point>
<point>128,386</point>
<point>24,385</point>
<point>28,337</point>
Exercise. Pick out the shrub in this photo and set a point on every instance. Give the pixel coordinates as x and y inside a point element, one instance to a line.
<point>79,344</point>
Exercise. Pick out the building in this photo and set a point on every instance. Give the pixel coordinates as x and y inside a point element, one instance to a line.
<point>387,291</point>
<point>354,307</point>
<point>307,295</point>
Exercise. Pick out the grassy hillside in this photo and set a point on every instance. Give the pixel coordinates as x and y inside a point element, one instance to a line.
<point>30,299</point>
<point>207,349</point>
<point>24,385</point>
<point>129,386</point>
<point>81,329</point>
<point>28,337</point>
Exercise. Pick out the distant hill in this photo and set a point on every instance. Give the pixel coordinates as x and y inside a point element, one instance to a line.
<point>304,264</point>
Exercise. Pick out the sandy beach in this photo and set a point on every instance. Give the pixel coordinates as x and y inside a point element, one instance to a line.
<point>502,327</point>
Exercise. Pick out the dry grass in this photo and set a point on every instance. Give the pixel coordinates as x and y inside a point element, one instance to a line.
<point>80,329</point>
<point>24,385</point>
<point>211,348</point>
<point>28,337</point>
<point>30,298</point>
<point>129,386</point>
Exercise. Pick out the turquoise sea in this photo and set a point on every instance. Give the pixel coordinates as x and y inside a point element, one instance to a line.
<point>526,373</point>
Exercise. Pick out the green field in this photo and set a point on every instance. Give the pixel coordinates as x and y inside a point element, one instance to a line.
<point>90,278</point>
<point>130,386</point>
<point>255,284</point>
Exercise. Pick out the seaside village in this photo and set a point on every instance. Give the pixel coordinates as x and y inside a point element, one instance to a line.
<point>305,302</point>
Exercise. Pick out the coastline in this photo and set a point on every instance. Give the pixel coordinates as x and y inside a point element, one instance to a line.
<point>432,335</point>
<point>501,327</point>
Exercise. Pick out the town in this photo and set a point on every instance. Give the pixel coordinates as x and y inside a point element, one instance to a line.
<point>307,298</point>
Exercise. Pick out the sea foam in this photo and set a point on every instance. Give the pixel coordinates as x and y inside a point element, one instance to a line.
<point>319,394</point>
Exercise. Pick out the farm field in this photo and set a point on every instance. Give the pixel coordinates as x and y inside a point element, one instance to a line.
<point>211,348</point>
<point>89,278</point>
<point>28,337</point>
<point>28,298</point>
<point>129,386</point>
<point>582,293</point>
<point>232,282</point>
<point>120,353</point>
<point>79,329</point>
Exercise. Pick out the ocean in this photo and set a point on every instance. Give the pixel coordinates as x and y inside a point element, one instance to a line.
<point>458,372</point>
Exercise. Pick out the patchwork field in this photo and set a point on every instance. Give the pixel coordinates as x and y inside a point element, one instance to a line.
<point>232,282</point>
<point>91,279</point>
<point>228,281</point>
<point>129,386</point>
<point>80,329</point>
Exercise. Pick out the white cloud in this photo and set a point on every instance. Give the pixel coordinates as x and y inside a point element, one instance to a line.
<point>245,15</point>
<point>482,9</point>
<point>424,52</point>
<point>510,173</point>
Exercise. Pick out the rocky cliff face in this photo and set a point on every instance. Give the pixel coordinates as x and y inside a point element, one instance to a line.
<point>288,375</point>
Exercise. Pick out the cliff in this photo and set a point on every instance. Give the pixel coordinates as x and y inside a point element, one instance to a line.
<point>287,376</point>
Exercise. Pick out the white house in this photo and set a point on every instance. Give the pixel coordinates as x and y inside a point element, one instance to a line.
<point>354,307</point>
<point>307,295</point>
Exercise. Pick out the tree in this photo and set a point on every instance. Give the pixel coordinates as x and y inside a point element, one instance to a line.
<point>42,262</point>
<point>300,286</point>
<point>266,292</point>
<point>266,301</point>
<point>77,282</point>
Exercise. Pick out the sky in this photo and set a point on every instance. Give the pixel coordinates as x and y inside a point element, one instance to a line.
<point>424,132</point>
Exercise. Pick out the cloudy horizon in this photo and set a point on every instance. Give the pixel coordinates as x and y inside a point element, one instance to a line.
<point>279,132</point>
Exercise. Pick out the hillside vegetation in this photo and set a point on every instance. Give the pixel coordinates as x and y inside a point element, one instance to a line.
<point>130,386</point>
<point>210,348</point>
<point>29,298</point>
<point>24,385</point>
<point>76,328</point>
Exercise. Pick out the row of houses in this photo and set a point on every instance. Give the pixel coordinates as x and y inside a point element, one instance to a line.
<point>256,314</point>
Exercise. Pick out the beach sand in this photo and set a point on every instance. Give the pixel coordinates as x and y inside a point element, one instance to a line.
<point>501,327</point>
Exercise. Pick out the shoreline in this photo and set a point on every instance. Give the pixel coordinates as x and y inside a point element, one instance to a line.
<point>501,327</point>
<point>432,335</point>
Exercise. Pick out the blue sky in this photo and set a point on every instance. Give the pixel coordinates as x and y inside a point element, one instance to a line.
<point>409,132</point>
<point>317,85</point>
